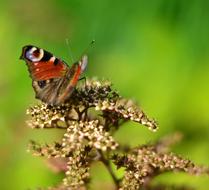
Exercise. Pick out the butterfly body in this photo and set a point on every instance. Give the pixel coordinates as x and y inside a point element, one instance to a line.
<point>53,80</point>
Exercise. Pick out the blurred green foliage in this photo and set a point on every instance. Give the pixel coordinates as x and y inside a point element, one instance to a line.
<point>156,52</point>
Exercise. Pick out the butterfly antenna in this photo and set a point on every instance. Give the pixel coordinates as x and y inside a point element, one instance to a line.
<point>69,50</point>
<point>88,47</point>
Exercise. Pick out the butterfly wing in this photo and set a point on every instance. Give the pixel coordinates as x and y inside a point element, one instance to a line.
<point>70,80</point>
<point>56,91</point>
<point>53,80</point>
<point>47,90</point>
<point>42,65</point>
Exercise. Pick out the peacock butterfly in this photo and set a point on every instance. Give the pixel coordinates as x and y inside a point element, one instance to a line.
<point>52,79</point>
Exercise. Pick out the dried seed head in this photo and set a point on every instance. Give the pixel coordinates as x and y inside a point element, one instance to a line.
<point>94,94</point>
<point>92,134</point>
<point>85,135</point>
<point>77,174</point>
<point>144,163</point>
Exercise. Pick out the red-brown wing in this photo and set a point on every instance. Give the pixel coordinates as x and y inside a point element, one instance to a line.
<point>45,70</point>
<point>42,65</point>
<point>72,77</point>
<point>56,91</point>
<point>53,80</point>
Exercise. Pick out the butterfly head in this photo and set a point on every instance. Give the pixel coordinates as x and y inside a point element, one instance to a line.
<point>32,53</point>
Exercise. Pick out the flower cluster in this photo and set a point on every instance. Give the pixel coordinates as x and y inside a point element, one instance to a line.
<point>144,163</point>
<point>78,165</point>
<point>89,119</point>
<point>90,134</point>
<point>96,94</point>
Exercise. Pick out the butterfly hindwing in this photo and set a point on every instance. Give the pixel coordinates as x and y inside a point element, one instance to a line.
<point>47,90</point>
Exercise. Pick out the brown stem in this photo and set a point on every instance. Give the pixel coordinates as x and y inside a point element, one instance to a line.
<point>79,113</point>
<point>106,162</point>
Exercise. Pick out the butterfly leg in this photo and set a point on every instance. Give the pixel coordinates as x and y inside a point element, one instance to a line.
<point>83,78</point>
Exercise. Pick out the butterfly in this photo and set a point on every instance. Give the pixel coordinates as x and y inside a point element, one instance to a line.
<point>52,79</point>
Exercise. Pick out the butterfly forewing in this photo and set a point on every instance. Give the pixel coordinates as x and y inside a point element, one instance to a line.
<point>42,65</point>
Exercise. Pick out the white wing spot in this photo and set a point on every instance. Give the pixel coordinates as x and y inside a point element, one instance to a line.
<point>52,59</point>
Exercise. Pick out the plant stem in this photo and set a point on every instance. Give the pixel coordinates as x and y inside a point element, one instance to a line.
<point>106,162</point>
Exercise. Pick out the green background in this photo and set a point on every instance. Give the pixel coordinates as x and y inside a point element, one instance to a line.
<point>156,52</point>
